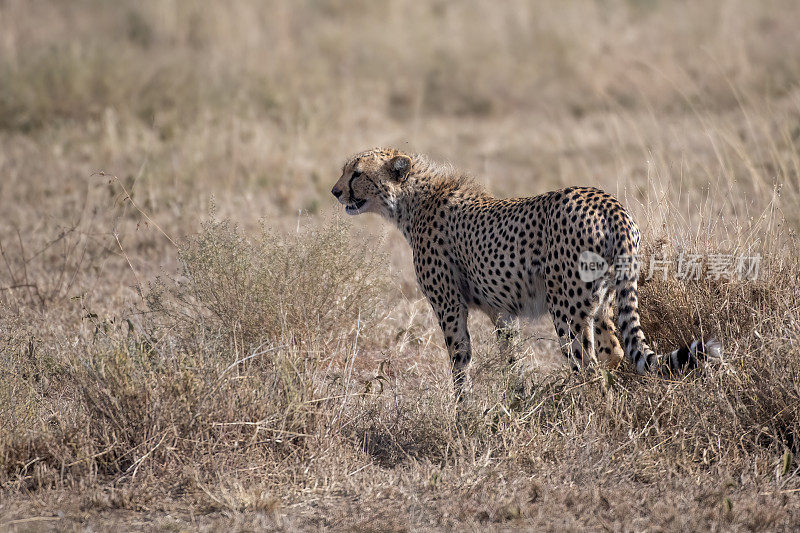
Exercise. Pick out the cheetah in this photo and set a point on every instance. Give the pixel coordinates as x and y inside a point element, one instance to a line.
<point>569,252</point>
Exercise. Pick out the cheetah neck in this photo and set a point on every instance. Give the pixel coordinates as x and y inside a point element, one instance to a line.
<point>425,199</point>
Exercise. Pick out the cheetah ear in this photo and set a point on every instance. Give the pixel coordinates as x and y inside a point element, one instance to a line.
<point>399,166</point>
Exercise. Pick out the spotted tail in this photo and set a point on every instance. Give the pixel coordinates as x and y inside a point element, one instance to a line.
<point>639,353</point>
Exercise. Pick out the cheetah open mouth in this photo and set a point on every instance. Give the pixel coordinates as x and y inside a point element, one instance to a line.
<point>354,208</point>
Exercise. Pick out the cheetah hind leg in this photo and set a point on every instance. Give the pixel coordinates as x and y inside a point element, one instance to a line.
<point>607,346</point>
<point>564,331</point>
<point>597,342</point>
<point>586,333</point>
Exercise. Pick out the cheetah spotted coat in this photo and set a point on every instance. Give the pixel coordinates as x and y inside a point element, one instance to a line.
<point>514,257</point>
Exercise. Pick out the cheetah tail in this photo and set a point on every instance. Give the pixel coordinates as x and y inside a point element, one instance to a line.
<point>639,353</point>
<point>699,351</point>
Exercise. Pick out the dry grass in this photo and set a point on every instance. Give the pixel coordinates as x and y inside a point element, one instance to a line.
<point>275,370</point>
<point>301,288</point>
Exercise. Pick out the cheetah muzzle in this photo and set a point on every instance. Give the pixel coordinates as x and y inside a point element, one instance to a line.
<point>354,208</point>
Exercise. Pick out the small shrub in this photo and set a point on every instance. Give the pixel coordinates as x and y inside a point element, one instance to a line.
<point>305,288</point>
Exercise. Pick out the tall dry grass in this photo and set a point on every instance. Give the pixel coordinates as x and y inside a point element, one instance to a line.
<point>276,370</point>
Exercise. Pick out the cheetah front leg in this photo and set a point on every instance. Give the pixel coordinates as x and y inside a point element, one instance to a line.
<point>440,288</point>
<point>452,318</point>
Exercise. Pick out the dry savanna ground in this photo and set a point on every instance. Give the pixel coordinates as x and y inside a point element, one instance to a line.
<point>192,335</point>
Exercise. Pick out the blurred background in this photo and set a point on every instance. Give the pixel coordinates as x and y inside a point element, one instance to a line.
<point>165,210</point>
<point>259,103</point>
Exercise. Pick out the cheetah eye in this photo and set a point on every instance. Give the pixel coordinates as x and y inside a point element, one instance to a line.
<point>356,173</point>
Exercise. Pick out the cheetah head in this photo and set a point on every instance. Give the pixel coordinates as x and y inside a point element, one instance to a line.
<point>372,181</point>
